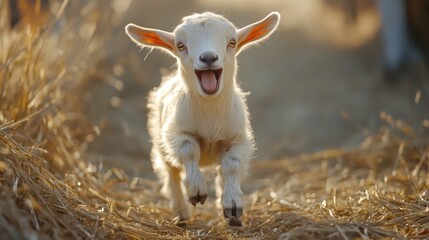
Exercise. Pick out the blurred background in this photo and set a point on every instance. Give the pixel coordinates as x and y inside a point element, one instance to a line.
<point>333,73</point>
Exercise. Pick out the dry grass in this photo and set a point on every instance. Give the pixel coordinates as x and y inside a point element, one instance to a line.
<point>379,190</point>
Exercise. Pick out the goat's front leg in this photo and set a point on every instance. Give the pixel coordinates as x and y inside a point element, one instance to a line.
<point>189,156</point>
<point>233,167</point>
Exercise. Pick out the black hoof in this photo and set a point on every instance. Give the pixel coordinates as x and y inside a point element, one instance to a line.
<point>181,223</point>
<point>201,199</point>
<point>235,222</point>
<point>233,212</point>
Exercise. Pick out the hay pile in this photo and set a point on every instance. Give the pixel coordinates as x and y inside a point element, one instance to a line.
<point>379,190</point>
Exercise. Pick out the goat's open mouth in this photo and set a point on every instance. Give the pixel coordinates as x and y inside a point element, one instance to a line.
<point>209,80</point>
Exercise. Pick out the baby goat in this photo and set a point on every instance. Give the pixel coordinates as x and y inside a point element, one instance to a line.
<point>199,116</point>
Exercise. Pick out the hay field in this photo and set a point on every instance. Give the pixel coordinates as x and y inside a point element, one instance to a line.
<point>378,190</point>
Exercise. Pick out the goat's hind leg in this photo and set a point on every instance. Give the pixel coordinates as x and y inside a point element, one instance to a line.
<point>177,197</point>
<point>172,187</point>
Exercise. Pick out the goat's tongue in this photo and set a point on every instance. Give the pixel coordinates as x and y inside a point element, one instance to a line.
<point>208,81</point>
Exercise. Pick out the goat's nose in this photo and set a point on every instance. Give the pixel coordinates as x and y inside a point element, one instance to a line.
<point>208,58</point>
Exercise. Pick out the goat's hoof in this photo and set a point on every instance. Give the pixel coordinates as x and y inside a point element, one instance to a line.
<point>181,224</point>
<point>203,199</point>
<point>233,212</point>
<point>235,222</point>
<point>194,200</point>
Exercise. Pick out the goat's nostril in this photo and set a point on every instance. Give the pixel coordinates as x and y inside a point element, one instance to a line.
<point>208,58</point>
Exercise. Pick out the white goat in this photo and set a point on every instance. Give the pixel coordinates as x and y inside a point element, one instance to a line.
<point>199,116</point>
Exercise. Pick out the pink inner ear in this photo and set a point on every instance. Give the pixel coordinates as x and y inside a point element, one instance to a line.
<point>256,32</point>
<point>152,38</point>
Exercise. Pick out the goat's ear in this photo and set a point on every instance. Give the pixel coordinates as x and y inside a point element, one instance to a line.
<point>257,31</point>
<point>148,37</point>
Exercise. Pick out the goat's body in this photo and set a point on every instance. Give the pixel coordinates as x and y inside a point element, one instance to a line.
<point>214,124</point>
<point>177,117</point>
<point>199,116</point>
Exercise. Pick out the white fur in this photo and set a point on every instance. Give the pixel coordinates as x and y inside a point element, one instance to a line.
<point>191,129</point>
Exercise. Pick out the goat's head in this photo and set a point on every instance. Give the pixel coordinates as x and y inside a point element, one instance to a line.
<point>206,46</point>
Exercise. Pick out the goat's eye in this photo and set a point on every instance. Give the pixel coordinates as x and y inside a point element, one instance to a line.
<point>181,46</point>
<point>232,43</point>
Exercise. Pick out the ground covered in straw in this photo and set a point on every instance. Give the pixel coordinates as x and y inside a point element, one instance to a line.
<point>377,191</point>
